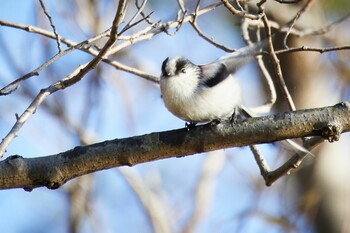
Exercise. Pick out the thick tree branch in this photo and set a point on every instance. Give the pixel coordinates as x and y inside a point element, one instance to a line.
<point>53,171</point>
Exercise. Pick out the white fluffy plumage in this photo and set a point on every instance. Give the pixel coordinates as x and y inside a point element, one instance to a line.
<point>202,93</point>
<point>190,96</point>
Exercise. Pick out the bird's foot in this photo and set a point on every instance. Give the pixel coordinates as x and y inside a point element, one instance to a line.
<point>190,125</point>
<point>215,122</point>
<point>235,116</point>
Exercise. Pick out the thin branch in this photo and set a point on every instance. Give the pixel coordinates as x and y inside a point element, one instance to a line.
<point>142,14</point>
<point>201,34</point>
<point>260,160</point>
<point>36,30</point>
<point>239,6</point>
<point>131,23</point>
<point>288,1</point>
<point>312,49</point>
<point>140,9</point>
<point>291,23</point>
<point>160,27</point>
<point>271,90</point>
<point>11,87</point>
<point>155,208</point>
<point>89,50</point>
<point>180,19</point>
<point>299,32</point>
<point>275,60</point>
<point>146,34</point>
<point>294,162</point>
<point>325,29</point>
<point>238,12</point>
<point>205,189</point>
<point>132,70</point>
<point>52,25</point>
<point>53,171</point>
<point>71,79</point>
<point>135,23</point>
<point>20,120</point>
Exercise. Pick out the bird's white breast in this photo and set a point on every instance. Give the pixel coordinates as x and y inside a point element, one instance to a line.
<point>193,103</point>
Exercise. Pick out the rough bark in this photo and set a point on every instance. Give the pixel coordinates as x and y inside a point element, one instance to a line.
<point>54,170</point>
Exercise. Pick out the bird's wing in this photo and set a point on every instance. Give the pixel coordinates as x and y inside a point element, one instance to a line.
<point>213,73</point>
<point>217,71</point>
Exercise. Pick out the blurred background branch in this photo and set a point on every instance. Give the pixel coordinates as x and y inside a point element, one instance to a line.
<point>120,98</point>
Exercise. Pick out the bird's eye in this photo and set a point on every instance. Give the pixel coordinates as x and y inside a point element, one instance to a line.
<point>183,70</point>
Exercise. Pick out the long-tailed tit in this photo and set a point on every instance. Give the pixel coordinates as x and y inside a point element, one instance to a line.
<point>203,93</point>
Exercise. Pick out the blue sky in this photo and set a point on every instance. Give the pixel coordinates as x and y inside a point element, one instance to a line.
<point>126,106</point>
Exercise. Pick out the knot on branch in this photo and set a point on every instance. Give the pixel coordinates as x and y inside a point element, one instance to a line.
<point>55,179</point>
<point>331,132</point>
<point>15,161</point>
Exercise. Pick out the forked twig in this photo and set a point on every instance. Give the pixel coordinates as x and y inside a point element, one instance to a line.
<point>71,79</point>
<point>238,12</point>
<point>194,24</point>
<point>11,87</point>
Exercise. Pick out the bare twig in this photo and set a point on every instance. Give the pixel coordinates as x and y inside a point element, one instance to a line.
<point>299,32</point>
<point>239,6</point>
<point>89,50</point>
<point>201,34</point>
<point>288,1</point>
<point>132,70</point>
<point>127,27</point>
<point>325,29</point>
<point>180,19</point>
<point>275,60</point>
<point>36,30</point>
<point>271,176</point>
<point>312,49</point>
<point>291,23</point>
<point>147,19</point>
<point>131,23</point>
<point>160,27</point>
<point>145,34</point>
<point>30,111</point>
<point>206,185</point>
<point>271,90</point>
<point>260,160</point>
<point>238,12</point>
<point>52,25</point>
<point>293,163</point>
<point>11,87</point>
<point>79,195</point>
<point>154,207</point>
<point>71,79</point>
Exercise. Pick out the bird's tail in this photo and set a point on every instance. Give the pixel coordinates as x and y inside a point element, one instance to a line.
<point>236,60</point>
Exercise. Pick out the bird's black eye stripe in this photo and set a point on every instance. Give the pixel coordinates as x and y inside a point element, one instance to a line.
<point>164,65</point>
<point>180,65</point>
<point>221,74</point>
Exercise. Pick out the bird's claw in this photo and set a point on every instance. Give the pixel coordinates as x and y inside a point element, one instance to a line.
<point>190,125</point>
<point>235,116</point>
<point>215,122</point>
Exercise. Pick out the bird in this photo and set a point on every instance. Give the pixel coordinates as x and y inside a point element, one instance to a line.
<point>204,93</point>
<point>209,92</point>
